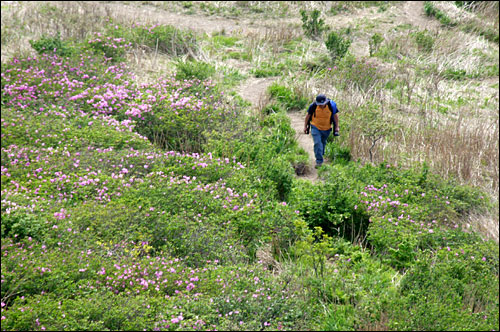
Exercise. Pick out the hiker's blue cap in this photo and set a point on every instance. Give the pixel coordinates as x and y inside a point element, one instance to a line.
<point>321,99</point>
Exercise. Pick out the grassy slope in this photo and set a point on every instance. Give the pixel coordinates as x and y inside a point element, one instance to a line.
<point>425,92</point>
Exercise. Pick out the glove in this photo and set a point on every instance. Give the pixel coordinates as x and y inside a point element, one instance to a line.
<point>336,133</point>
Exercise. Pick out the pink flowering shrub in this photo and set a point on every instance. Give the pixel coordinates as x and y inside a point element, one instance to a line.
<point>162,207</point>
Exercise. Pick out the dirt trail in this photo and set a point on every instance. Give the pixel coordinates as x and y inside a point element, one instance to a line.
<point>306,142</point>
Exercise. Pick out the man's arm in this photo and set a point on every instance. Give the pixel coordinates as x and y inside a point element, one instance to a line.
<point>336,119</point>
<point>306,122</point>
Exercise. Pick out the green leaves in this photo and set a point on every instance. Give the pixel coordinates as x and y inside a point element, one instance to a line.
<point>312,25</point>
<point>51,45</point>
<point>337,45</point>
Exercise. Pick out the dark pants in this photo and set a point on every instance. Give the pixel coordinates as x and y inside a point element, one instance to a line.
<point>319,138</point>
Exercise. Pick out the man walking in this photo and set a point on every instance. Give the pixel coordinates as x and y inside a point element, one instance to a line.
<point>320,116</point>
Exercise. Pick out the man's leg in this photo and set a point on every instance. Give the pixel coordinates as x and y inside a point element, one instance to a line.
<point>318,145</point>
<point>324,138</point>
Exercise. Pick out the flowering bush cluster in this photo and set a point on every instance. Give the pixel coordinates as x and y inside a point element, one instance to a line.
<point>113,48</point>
<point>124,207</point>
<point>172,114</point>
<point>91,207</point>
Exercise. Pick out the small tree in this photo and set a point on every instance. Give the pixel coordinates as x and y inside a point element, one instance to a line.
<point>375,42</point>
<point>374,125</point>
<point>337,45</point>
<point>313,26</point>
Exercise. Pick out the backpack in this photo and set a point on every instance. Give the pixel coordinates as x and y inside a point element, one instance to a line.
<point>330,105</point>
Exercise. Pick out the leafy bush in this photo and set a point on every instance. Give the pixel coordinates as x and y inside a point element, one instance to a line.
<point>20,225</point>
<point>373,124</point>
<point>454,286</point>
<point>114,48</point>
<point>424,41</point>
<point>287,97</point>
<point>337,45</point>
<point>331,206</point>
<point>374,43</point>
<point>338,154</point>
<point>52,45</point>
<point>187,70</point>
<point>313,26</point>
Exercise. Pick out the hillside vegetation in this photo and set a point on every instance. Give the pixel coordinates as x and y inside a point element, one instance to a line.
<point>147,185</point>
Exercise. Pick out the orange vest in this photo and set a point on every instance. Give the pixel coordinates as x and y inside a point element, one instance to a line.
<point>321,118</point>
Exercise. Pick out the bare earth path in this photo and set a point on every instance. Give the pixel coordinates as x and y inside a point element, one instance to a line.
<point>305,141</point>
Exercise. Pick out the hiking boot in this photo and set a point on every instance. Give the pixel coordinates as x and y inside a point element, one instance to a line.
<point>318,165</point>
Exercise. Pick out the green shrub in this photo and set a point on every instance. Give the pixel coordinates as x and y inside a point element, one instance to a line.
<point>430,10</point>
<point>374,43</point>
<point>424,41</point>
<point>187,70</point>
<point>337,45</point>
<point>331,206</point>
<point>52,45</point>
<point>273,108</point>
<point>287,97</point>
<point>338,154</point>
<point>20,225</point>
<point>110,47</point>
<point>313,26</point>
<point>453,287</point>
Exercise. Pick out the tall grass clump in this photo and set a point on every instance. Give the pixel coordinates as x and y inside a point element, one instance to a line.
<point>165,39</point>
<point>286,96</point>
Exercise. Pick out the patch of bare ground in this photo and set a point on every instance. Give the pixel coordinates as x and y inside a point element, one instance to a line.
<point>306,142</point>
<point>208,24</point>
<point>254,90</point>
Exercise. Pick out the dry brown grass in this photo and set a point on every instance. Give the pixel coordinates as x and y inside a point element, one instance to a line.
<point>30,20</point>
